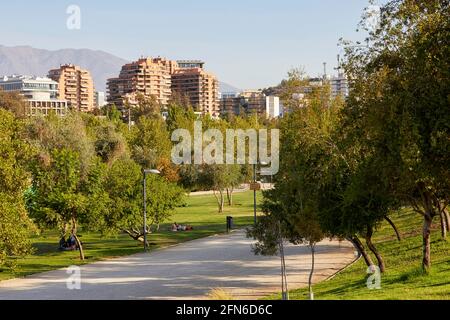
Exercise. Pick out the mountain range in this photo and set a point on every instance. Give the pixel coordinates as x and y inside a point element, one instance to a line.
<point>26,60</point>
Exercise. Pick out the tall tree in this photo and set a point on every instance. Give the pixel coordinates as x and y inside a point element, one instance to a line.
<point>124,186</point>
<point>399,105</point>
<point>15,225</point>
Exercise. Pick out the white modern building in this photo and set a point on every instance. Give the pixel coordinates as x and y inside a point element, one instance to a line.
<point>41,93</point>
<point>100,99</point>
<point>339,86</point>
<point>273,107</point>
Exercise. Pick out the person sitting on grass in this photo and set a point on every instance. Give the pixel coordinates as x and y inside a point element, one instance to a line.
<point>178,227</point>
<point>62,243</point>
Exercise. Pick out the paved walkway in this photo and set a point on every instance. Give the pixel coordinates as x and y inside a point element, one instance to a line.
<point>186,271</point>
<point>243,188</point>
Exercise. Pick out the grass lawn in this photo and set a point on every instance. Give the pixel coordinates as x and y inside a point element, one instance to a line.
<point>200,212</point>
<point>404,278</point>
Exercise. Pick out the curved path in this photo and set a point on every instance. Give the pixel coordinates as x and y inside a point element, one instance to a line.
<point>186,271</point>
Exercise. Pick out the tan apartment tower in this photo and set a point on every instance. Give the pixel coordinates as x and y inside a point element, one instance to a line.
<point>150,77</point>
<point>198,86</point>
<point>75,85</point>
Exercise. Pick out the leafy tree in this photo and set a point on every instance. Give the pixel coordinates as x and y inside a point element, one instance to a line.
<point>215,177</point>
<point>235,178</point>
<point>151,142</point>
<point>307,152</point>
<point>124,185</point>
<point>109,142</point>
<point>15,225</point>
<point>59,199</point>
<point>398,106</point>
<point>67,175</point>
<point>14,102</point>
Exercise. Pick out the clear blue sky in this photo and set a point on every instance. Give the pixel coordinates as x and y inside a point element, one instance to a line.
<point>247,43</point>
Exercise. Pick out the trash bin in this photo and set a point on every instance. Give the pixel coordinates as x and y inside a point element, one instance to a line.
<point>229,223</point>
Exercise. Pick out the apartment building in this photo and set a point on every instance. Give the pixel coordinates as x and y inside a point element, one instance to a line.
<point>198,86</point>
<point>230,103</point>
<point>254,101</point>
<point>40,92</point>
<point>150,77</point>
<point>251,101</point>
<point>339,86</point>
<point>76,86</point>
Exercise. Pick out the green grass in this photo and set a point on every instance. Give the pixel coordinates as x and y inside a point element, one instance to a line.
<point>404,278</point>
<point>200,212</point>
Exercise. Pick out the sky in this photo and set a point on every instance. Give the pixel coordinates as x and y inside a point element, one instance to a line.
<point>248,43</point>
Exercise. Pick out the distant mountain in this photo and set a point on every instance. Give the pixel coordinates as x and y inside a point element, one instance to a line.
<point>31,61</point>
<point>26,60</point>
<point>225,87</point>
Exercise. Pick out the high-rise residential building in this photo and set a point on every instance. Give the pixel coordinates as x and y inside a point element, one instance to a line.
<point>339,86</point>
<point>162,79</point>
<point>198,86</point>
<point>230,105</point>
<point>100,99</point>
<point>190,64</point>
<point>150,77</point>
<point>75,85</point>
<point>254,101</point>
<point>251,101</point>
<point>41,93</point>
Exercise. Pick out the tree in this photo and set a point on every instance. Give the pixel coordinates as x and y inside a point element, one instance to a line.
<point>235,178</point>
<point>151,142</point>
<point>59,199</point>
<point>308,152</point>
<point>15,225</point>
<point>14,102</point>
<point>67,175</point>
<point>124,186</point>
<point>109,143</point>
<point>215,177</point>
<point>399,105</point>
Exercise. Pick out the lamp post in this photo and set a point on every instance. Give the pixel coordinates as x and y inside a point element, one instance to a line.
<point>254,192</point>
<point>254,187</point>
<point>145,173</point>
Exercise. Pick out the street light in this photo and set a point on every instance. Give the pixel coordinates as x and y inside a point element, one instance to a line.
<point>254,191</point>
<point>145,173</point>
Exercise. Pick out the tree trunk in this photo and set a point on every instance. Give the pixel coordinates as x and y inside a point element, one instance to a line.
<point>80,247</point>
<point>443,225</point>
<point>426,262</point>
<point>311,293</point>
<point>135,236</point>
<point>399,236</point>
<point>222,201</point>
<point>447,219</point>
<point>230,196</point>
<point>77,240</point>
<point>428,214</point>
<point>372,248</point>
<point>362,251</point>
